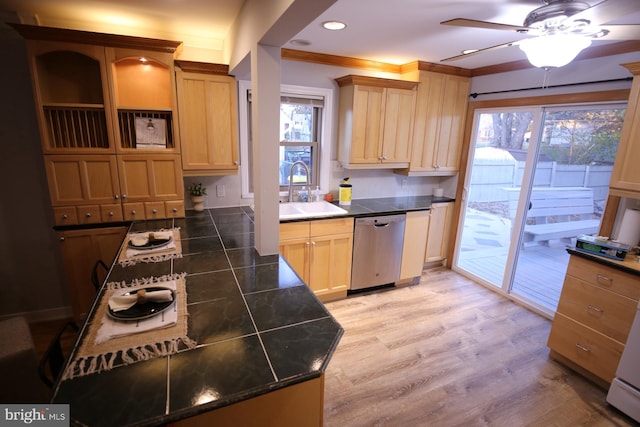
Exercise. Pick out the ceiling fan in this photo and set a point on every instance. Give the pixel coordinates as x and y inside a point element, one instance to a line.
<point>557,24</point>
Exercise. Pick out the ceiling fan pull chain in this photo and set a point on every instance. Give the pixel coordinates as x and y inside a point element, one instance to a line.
<point>547,75</point>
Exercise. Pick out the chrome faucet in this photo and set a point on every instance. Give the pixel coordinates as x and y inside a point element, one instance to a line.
<point>306,169</point>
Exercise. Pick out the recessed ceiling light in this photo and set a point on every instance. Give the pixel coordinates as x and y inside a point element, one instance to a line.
<point>334,25</point>
<point>300,42</point>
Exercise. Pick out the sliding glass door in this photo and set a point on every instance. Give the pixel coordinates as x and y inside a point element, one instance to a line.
<point>487,239</point>
<point>537,178</point>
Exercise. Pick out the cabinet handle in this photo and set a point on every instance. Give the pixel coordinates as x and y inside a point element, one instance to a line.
<point>155,211</point>
<point>88,214</point>
<point>124,196</point>
<point>596,309</point>
<point>235,162</point>
<point>583,348</point>
<point>116,197</point>
<point>111,213</point>
<point>604,280</point>
<point>62,239</point>
<point>65,216</point>
<point>175,210</point>
<point>133,212</point>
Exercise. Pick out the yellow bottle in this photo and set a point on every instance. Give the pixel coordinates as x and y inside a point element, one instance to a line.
<point>344,192</point>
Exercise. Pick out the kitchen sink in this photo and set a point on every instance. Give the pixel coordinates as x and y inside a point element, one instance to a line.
<point>297,210</point>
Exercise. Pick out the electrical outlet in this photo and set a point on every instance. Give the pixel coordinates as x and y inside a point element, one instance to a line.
<point>220,190</point>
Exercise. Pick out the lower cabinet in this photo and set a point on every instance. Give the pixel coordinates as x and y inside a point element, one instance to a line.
<point>441,218</point>
<point>320,253</point>
<point>594,316</point>
<point>414,246</point>
<point>80,250</point>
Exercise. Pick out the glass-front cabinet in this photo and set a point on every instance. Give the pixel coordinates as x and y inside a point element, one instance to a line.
<point>105,102</point>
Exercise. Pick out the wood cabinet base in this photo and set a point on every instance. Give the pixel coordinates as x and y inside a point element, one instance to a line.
<point>300,405</point>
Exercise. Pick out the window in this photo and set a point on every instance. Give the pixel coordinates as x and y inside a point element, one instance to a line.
<point>300,124</point>
<point>304,125</point>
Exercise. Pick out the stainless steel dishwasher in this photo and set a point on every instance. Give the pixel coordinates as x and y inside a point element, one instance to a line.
<point>377,251</point>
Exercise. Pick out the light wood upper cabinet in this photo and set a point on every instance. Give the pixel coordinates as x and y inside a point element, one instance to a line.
<point>209,122</point>
<point>625,177</point>
<point>99,103</point>
<point>151,177</point>
<point>441,109</point>
<point>145,103</point>
<point>71,93</point>
<point>375,122</point>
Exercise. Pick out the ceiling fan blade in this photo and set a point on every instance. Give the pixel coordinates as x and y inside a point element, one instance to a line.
<point>472,23</point>
<point>620,32</point>
<point>607,11</point>
<point>486,49</point>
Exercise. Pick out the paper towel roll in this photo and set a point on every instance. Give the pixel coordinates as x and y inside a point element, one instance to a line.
<point>629,232</point>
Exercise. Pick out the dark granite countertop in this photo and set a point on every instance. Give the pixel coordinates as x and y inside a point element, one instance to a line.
<point>257,327</point>
<point>382,206</point>
<point>629,265</point>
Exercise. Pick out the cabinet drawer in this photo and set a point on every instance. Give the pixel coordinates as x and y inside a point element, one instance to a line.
<point>174,209</point>
<point>89,214</point>
<point>294,230</point>
<point>591,350</point>
<point>605,277</point>
<point>133,211</point>
<point>65,215</point>
<point>154,210</point>
<point>599,309</point>
<point>111,213</point>
<point>331,226</point>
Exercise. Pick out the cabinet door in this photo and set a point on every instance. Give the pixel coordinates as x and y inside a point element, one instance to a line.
<point>415,243</point>
<point>82,179</point>
<point>625,177</point>
<point>142,88</point>
<point>72,97</point>
<point>150,177</point>
<point>330,265</point>
<point>441,109</point>
<point>367,124</point>
<point>209,127</point>
<point>451,129</point>
<point>296,252</point>
<point>439,231</point>
<point>80,250</point>
<point>397,133</point>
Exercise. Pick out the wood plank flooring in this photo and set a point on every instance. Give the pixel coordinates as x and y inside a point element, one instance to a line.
<point>449,352</point>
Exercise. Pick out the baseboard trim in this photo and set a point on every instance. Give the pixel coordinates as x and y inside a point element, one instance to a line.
<point>42,315</point>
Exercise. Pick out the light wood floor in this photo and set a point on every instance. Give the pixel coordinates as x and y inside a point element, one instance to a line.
<point>448,352</point>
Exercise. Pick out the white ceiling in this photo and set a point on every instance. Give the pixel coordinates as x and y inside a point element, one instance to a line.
<point>397,31</point>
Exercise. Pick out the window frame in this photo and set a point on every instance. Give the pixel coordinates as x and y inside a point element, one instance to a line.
<point>324,144</point>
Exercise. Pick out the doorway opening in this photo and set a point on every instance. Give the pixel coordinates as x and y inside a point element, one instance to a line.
<point>537,177</point>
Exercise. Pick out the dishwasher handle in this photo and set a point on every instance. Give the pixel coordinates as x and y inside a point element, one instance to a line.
<point>380,225</point>
<point>380,221</point>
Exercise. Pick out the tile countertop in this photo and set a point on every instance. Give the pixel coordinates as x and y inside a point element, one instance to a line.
<point>629,265</point>
<point>384,206</point>
<point>258,328</point>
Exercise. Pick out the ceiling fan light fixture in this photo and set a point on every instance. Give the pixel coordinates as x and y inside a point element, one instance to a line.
<point>555,50</point>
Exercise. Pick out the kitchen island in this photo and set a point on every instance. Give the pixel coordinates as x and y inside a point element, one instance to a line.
<point>258,341</point>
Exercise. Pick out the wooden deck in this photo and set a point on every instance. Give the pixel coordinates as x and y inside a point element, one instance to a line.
<point>540,268</point>
<point>539,272</point>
